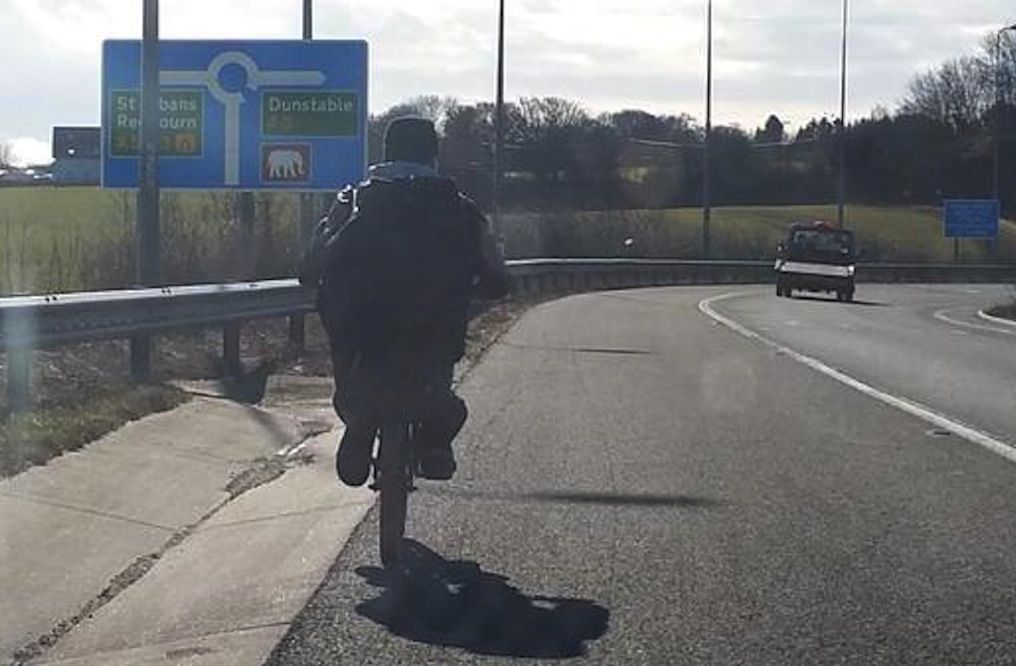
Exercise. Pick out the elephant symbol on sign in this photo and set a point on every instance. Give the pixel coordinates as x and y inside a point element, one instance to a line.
<point>285,165</point>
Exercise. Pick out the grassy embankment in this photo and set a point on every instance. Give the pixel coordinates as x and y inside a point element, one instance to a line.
<point>885,234</point>
<point>67,239</point>
<point>81,238</point>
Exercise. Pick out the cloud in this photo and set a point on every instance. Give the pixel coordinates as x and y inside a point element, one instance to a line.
<point>781,56</point>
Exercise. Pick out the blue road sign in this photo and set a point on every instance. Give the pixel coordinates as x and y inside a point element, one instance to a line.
<point>246,115</point>
<point>971,218</point>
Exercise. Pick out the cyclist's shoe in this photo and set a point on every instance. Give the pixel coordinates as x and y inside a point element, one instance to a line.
<point>353,460</point>
<point>437,464</point>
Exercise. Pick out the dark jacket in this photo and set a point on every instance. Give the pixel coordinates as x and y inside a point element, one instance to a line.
<point>396,262</point>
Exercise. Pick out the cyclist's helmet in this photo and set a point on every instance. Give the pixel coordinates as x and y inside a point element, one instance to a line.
<point>411,139</point>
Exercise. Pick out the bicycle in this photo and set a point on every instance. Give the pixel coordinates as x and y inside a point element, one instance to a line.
<point>404,401</point>
<point>394,474</point>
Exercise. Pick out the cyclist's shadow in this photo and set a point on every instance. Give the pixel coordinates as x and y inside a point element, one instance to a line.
<point>456,604</point>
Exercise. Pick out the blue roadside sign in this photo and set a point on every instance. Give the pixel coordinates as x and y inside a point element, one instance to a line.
<point>971,218</point>
<point>245,115</point>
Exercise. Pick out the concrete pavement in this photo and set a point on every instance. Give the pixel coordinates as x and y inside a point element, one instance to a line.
<point>134,550</point>
<point>227,593</point>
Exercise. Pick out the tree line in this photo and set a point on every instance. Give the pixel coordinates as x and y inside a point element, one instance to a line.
<point>938,143</point>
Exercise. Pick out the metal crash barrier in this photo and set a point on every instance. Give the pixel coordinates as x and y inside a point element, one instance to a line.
<point>28,323</point>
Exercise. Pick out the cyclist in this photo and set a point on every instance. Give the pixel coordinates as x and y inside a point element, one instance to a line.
<point>396,261</point>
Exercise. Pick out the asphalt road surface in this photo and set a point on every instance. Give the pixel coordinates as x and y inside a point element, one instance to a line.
<point>639,484</point>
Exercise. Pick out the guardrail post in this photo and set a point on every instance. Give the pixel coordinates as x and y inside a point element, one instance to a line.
<point>297,334</point>
<point>19,336</point>
<point>231,349</point>
<point>19,380</point>
<point>141,357</point>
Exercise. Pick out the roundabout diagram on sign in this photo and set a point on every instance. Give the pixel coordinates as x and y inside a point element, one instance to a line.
<point>241,115</point>
<point>232,101</point>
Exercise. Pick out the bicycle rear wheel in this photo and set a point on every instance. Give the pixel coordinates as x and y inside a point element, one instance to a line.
<point>393,483</point>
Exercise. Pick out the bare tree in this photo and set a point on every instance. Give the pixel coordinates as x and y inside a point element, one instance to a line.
<point>961,91</point>
<point>957,93</point>
<point>535,118</point>
<point>433,107</point>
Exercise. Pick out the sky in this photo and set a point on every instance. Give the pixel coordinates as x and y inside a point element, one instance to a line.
<point>780,56</point>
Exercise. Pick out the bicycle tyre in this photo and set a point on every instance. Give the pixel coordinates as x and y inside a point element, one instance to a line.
<point>393,486</point>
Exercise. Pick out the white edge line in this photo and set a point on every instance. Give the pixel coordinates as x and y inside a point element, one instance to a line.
<point>943,317</point>
<point>998,320</point>
<point>913,408</point>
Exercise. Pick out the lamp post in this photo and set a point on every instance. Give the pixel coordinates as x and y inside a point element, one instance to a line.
<point>499,124</point>
<point>841,195</point>
<point>707,146</point>
<point>996,186</point>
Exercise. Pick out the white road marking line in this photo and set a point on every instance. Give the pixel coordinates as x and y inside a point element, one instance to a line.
<point>998,320</point>
<point>943,317</point>
<point>923,412</point>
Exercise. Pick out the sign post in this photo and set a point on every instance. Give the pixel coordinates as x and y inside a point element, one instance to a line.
<point>298,323</point>
<point>147,233</point>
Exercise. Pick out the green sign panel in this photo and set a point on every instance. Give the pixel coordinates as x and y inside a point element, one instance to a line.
<point>181,123</point>
<point>309,114</point>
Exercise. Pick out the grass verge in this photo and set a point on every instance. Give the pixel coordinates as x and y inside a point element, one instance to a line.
<point>59,239</point>
<point>36,437</point>
<point>900,234</point>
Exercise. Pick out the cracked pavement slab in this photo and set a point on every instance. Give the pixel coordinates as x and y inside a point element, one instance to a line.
<point>72,530</point>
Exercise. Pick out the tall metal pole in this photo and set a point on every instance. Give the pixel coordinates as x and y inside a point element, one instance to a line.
<point>997,113</point>
<point>307,213</point>
<point>996,185</point>
<point>245,265</point>
<point>147,270</point>
<point>841,196</point>
<point>707,147</point>
<point>148,194</point>
<point>499,124</point>
<point>308,202</point>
